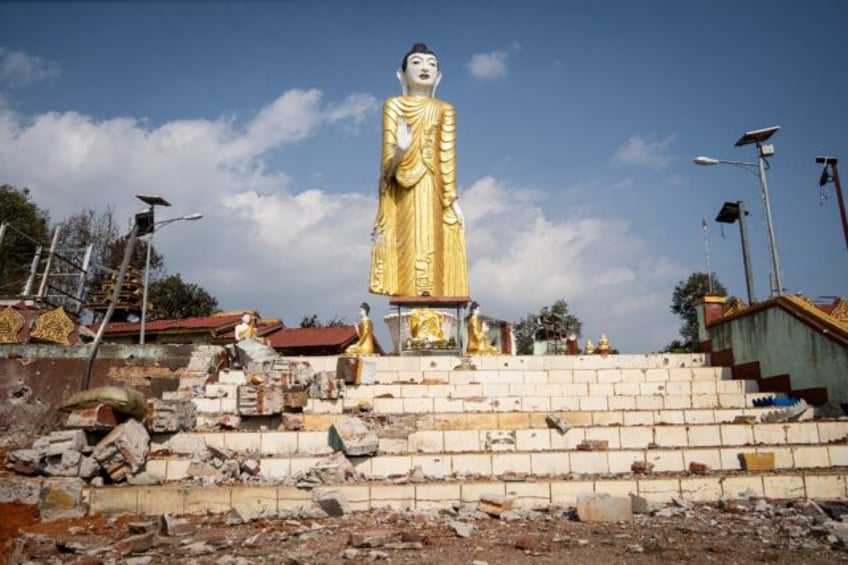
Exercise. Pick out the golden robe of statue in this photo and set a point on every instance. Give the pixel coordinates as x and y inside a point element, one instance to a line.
<point>365,344</point>
<point>418,244</point>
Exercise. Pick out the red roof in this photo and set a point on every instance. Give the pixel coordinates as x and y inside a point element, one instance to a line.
<point>335,336</point>
<point>211,323</point>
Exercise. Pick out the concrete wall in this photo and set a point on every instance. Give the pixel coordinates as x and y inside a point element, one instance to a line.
<point>36,379</point>
<point>784,344</point>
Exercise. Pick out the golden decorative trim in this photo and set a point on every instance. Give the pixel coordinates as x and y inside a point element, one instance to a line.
<point>735,307</point>
<point>11,323</point>
<point>54,326</point>
<point>840,311</point>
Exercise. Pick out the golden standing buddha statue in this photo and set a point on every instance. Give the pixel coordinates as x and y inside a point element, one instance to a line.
<point>418,242</point>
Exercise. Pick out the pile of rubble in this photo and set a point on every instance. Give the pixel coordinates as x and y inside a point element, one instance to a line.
<point>107,435</point>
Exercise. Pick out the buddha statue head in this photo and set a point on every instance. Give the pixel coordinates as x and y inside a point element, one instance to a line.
<point>364,309</point>
<point>419,74</point>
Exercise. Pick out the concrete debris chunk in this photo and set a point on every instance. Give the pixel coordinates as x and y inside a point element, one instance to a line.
<point>169,416</point>
<point>206,359</point>
<point>65,464</point>
<point>61,441</point>
<point>352,436</point>
<point>494,504</point>
<point>601,507</point>
<point>187,444</point>
<point>375,538</point>
<point>135,544</point>
<point>123,450</point>
<point>332,501</point>
<point>334,469</point>
<point>174,526</point>
<point>557,423</point>
<point>24,461</point>
<point>62,498</point>
<point>263,400</point>
<point>100,417</point>
<point>462,529</point>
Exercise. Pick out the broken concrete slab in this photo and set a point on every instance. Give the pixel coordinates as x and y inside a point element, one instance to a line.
<point>494,504</point>
<point>100,417</point>
<point>601,507</point>
<point>332,501</point>
<point>58,442</point>
<point>353,436</point>
<point>165,416</point>
<point>24,461</point>
<point>123,450</point>
<point>65,464</point>
<point>263,400</point>
<point>326,386</point>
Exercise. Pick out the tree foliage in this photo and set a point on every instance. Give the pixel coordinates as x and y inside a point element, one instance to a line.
<point>313,322</point>
<point>526,328</point>
<point>682,303</point>
<point>27,228</point>
<point>174,299</point>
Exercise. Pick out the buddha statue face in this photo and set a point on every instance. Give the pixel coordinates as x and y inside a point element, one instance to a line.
<point>421,73</point>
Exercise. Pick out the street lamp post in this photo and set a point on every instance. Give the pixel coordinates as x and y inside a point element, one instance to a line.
<point>764,150</point>
<point>148,225</point>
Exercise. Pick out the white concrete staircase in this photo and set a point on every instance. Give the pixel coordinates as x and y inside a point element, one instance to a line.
<point>448,434</point>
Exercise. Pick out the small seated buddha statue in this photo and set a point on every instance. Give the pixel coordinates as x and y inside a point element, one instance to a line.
<point>246,329</point>
<point>478,338</point>
<point>427,324</point>
<point>365,330</point>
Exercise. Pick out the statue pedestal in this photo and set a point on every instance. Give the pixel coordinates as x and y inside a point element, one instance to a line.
<point>399,327</point>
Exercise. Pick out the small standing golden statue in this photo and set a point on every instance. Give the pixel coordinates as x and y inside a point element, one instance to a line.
<point>478,338</point>
<point>365,331</point>
<point>418,242</point>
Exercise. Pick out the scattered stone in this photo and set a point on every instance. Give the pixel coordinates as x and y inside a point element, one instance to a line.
<point>350,553</point>
<point>326,386</point>
<point>60,442</point>
<point>250,466</point>
<point>375,538</point>
<point>176,527</point>
<point>332,501</point>
<point>642,467</point>
<point>601,507</point>
<point>698,468</point>
<point>462,529</point>
<point>494,504</point>
<point>143,527</point>
<point>557,423</point>
<point>639,504</point>
<point>352,436</point>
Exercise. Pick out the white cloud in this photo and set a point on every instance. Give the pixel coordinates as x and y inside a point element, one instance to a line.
<point>488,66</point>
<point>19,69</point>
<point>639,151</point>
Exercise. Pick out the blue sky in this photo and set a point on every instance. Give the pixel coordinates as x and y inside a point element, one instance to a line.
<point>577,125</point>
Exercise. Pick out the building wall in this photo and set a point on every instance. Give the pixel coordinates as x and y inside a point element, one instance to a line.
<point>785,345</point>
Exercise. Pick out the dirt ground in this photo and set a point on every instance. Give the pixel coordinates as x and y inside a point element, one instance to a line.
<point>777,533</point>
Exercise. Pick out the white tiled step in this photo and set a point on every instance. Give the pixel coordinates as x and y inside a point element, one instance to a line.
<point>190,499</point>
<point>272,443</point>
<point>521,362</point>
<point>538,464</point>
<point>498,403</point>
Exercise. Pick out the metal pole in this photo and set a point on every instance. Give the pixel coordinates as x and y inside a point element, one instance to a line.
<point>840,199</point>
<point>775,261</point>
<point>144,293</point>
<point>746,254</point>
<point>119,283</point>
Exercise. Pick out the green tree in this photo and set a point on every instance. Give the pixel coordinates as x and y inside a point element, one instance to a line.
<point>27,228</point>
<point>557,314</point>
<point>682,303</point>
<point>174,299</point>
<point>313,322</point>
